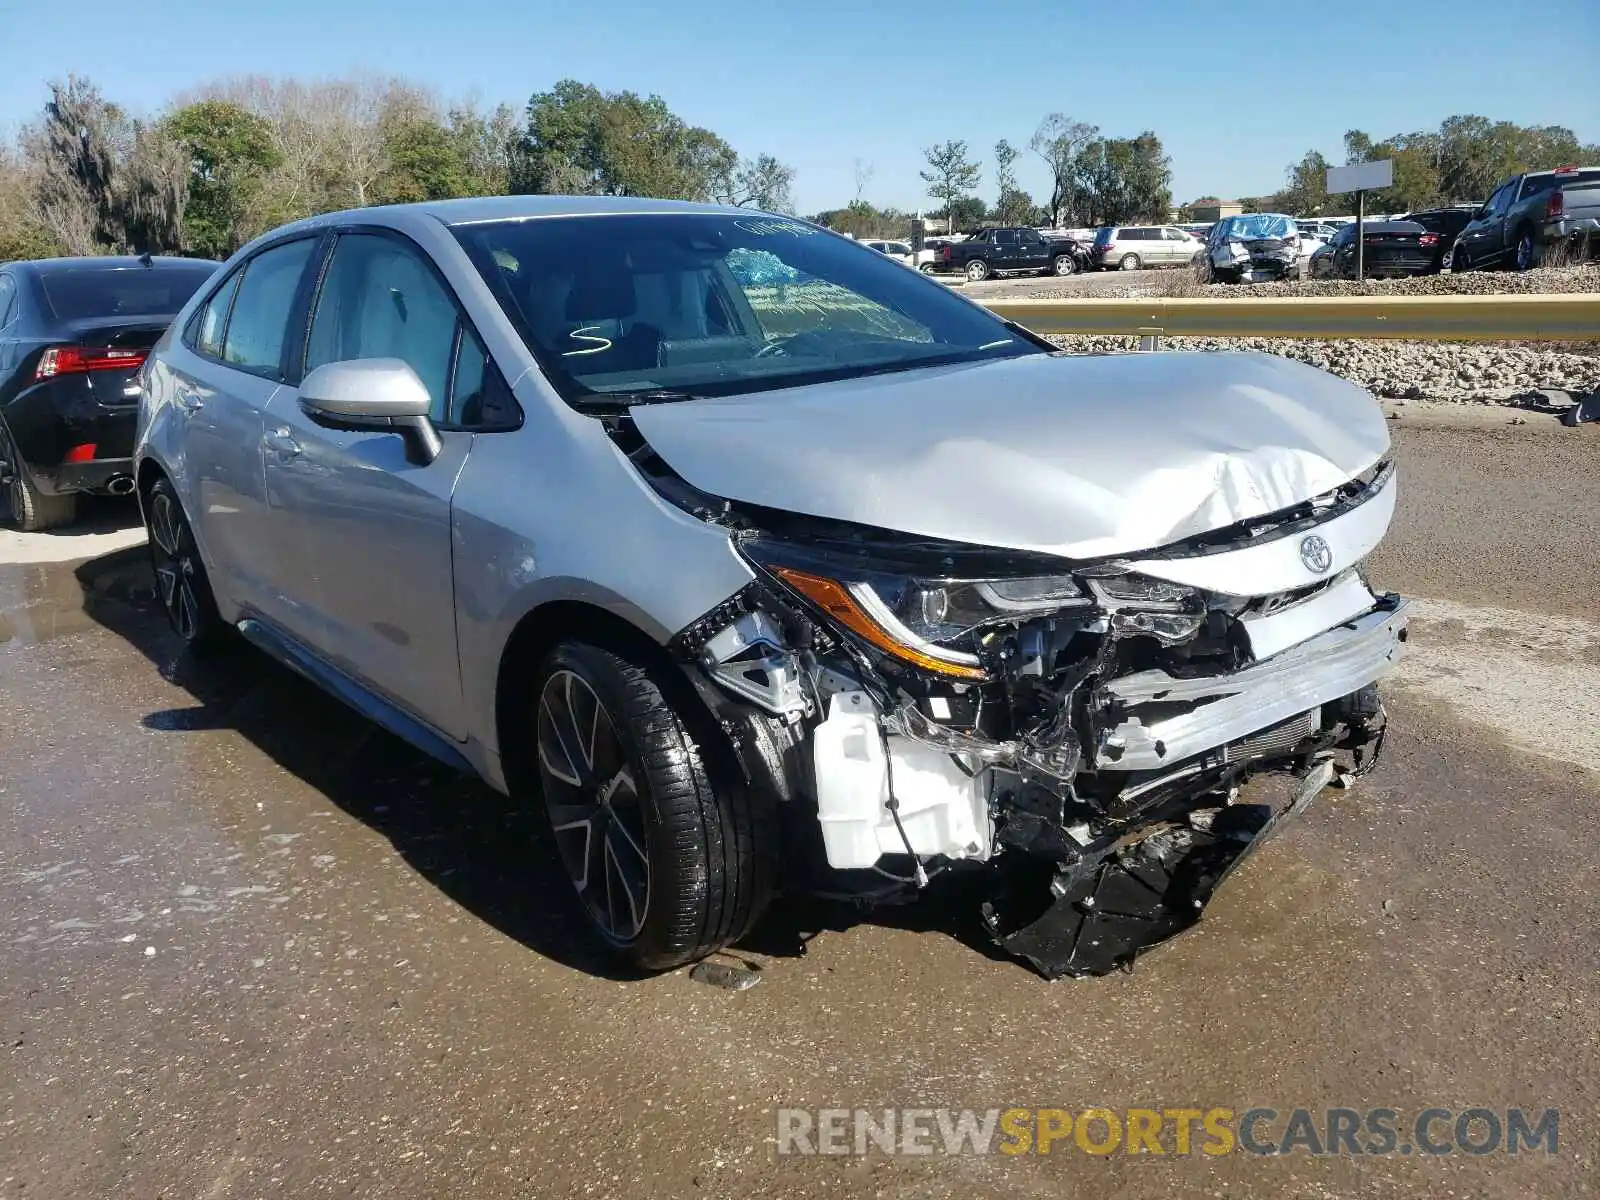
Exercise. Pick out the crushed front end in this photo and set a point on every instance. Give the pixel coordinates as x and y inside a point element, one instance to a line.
<point>1078,731</point>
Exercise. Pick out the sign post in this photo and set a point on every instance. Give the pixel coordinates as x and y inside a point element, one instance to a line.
<point>1361,178</point>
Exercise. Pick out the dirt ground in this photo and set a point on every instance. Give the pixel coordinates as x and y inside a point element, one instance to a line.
<point>252,946</point>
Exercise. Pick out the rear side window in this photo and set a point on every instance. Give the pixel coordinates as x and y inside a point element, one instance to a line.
<point>264,299</point>
<point>8,299</point>
<point>1104,237</point>
<point>211,321</point>
<point>77,293</point>
<point>1006,237</point>
<point>381,300</point>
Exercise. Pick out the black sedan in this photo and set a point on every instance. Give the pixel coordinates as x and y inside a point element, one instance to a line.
<point>1389,248</point>
<point>73,334</point>
<point>1447,223</point>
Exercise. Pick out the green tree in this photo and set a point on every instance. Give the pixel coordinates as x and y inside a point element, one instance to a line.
<point>231,151</point>
<point>423,163</point>
<point>1060,142</point>
<point>1306,191</point>
<point>762,182</point>
<point>965,212</point>
<point>580,139</point>
<point>950,176</point>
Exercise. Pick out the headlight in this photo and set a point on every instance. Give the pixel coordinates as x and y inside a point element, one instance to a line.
<point>915,619</point>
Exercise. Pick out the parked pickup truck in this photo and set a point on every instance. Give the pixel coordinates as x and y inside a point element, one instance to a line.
<point>993,251</point>
<point>1529,213</point>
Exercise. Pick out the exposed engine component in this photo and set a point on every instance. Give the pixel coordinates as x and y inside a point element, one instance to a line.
<point>1082,734</point>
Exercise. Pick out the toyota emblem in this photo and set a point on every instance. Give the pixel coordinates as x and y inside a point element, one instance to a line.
<point>1316,554</point>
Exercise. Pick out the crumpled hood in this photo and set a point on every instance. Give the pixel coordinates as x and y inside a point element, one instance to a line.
<point>1080,456</point>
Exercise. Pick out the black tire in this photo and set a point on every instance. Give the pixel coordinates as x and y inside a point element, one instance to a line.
<point>1063,264</point>
<point>1129,262</point>
<point>709,848</point>
<point>977,271</point>
<point>21,501</point>
<point>926,268</point>
<point>1460,261</point>
<point>1525,254</point>
<point>181,582</point>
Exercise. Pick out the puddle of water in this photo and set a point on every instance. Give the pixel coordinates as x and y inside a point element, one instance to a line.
<point>43,601</point>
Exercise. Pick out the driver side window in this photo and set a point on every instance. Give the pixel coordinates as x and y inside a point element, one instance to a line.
<point>380,300</point>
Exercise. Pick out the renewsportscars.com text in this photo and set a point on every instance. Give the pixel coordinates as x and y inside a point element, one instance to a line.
<point>1212,1131</point>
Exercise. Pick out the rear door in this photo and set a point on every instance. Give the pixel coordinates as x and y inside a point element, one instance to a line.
<point>1007,250</point>
<point>373,525</point>
<point>230,366</point>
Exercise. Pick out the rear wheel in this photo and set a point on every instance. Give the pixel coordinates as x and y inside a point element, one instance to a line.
<point>1063,264</point>
<point>1129,262</point>
<point>24,505</point>
<point>926,268</point>
<point>977,270</point>
<point>1527,252</point>
<point>181,582</point>
<point>668,865</point>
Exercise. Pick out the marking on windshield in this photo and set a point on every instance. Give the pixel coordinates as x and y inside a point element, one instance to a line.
<point>767,227</point>
<point>587,333</point>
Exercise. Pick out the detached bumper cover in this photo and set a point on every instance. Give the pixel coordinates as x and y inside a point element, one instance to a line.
<point>1229,707</point>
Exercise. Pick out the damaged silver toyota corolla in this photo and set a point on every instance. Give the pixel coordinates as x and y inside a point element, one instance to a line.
<point>757,561</point>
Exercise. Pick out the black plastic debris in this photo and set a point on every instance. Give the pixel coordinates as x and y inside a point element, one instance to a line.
<point>1109,911</point>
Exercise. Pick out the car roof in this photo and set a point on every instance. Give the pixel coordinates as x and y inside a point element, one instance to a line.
<point>512,208</point>
<point>52,266</point>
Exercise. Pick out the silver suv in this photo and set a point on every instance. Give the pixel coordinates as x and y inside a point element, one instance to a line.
<point>750,559</point>
<point>1130,247</point>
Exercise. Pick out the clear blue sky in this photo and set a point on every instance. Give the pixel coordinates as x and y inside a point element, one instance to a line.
<point>1236,92</point>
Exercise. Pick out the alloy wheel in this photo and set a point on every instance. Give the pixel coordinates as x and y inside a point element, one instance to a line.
<point>172,547</point>
<point>595,809</point>
<point>1525,252</point>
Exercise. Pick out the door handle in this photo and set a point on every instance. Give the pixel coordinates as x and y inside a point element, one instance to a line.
<point>282,443</point>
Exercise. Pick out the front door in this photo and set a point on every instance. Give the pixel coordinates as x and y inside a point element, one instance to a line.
<point>1034,251</point>
<point>375,526</point>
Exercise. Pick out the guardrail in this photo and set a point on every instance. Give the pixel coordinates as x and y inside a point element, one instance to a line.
<point>1563,318</point>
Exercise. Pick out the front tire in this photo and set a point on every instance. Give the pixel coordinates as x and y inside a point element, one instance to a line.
<point>28,508</point>
<point>977,271</point>
<point>1129,262</point>
<point>668,864</point>
<point>181,582</point>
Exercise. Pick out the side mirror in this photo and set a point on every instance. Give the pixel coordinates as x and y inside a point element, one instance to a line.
<point>376,394</point>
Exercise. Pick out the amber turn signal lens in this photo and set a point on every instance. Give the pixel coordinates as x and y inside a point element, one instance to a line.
<point>832,597</point>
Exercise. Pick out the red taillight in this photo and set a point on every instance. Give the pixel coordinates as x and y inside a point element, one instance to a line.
<point>80,454</point>
<point>1428,239</point>
<point>78,360</point>
<point>946,253</point>
<point>1555,206</point>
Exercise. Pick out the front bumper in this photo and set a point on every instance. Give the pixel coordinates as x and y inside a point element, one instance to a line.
<point>1228,708</point>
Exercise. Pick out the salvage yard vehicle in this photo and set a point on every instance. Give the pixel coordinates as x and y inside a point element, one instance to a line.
<point>73,333</point>
<point>1252,248</point>
<point>1390,249</point>
<point>1132,247</point>
<point>1003,251</point>
<point>751,560</point>
<point>1528,213</point>
<point>1447,223</point>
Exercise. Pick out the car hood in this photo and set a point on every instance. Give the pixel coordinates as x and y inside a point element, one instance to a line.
<point>1078,456</point>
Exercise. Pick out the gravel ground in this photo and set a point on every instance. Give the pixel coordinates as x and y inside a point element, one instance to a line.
<point>1454,372</point>
<point>1131,285</point>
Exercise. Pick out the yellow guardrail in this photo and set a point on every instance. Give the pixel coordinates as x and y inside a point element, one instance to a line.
<point>1564,318</point>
